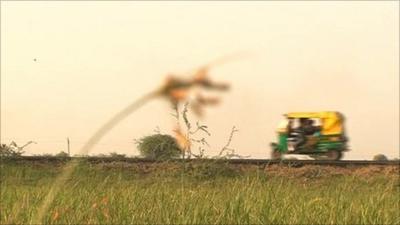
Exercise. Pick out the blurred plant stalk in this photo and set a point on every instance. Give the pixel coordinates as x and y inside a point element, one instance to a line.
<point>175,89</point>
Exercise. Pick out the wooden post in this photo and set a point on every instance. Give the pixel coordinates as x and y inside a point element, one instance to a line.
<point>69,153</point>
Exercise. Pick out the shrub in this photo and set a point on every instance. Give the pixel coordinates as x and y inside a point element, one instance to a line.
<point>380,157</point>
<point>62,154</point>
<point>159,146</point>
<point>46,155</point>
<point>13,150</point>
<point>9,151</point>
<point>116,155</point>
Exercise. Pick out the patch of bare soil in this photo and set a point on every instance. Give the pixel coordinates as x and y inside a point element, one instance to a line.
<point>313,171</point>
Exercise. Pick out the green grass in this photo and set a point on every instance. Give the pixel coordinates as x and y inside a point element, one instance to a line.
<point>118,195</point>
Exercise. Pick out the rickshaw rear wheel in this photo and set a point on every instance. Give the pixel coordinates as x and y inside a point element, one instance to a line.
<point>334,155</point>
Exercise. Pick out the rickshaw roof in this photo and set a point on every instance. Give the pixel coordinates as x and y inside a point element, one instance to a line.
<point>331,124</point>
<point>323,114</point>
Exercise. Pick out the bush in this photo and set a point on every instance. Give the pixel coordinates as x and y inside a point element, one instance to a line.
<point>380,157</point>
<point>46,155</point>
<point>9,151</point>
<point>62,154</point>
<point>159,146</point>
<point>115,155</point>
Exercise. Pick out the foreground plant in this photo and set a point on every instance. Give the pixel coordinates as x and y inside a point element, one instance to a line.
<point>174,89</point>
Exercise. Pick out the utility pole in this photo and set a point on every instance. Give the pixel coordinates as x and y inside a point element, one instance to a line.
<point>69,154</point>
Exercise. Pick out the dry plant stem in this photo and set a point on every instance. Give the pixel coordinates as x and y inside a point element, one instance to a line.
<point>98,135</point>
<point>226,147</point>
<point>190,133</point>
<point>55,188</point>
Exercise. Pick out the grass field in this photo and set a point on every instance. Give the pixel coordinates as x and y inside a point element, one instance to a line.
<point>118,193</point>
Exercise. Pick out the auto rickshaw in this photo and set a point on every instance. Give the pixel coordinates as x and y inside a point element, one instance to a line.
<point>320,135</point>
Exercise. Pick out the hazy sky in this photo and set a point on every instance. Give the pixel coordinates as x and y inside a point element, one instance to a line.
<point>94,58</point>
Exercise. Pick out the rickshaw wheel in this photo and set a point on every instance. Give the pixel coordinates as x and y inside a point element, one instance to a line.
<point>276,155</point>
<point>334,155</point>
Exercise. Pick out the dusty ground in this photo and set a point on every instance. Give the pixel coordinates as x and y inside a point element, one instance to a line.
<point>270,169</point>
<point>306,171</point>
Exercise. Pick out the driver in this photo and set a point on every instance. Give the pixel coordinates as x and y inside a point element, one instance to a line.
<point>309,128</point>
<point>311,131</point>
<point>298,134</point>
<point>306,134</point>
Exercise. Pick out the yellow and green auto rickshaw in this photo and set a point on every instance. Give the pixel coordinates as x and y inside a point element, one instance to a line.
<point>320,135</point>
